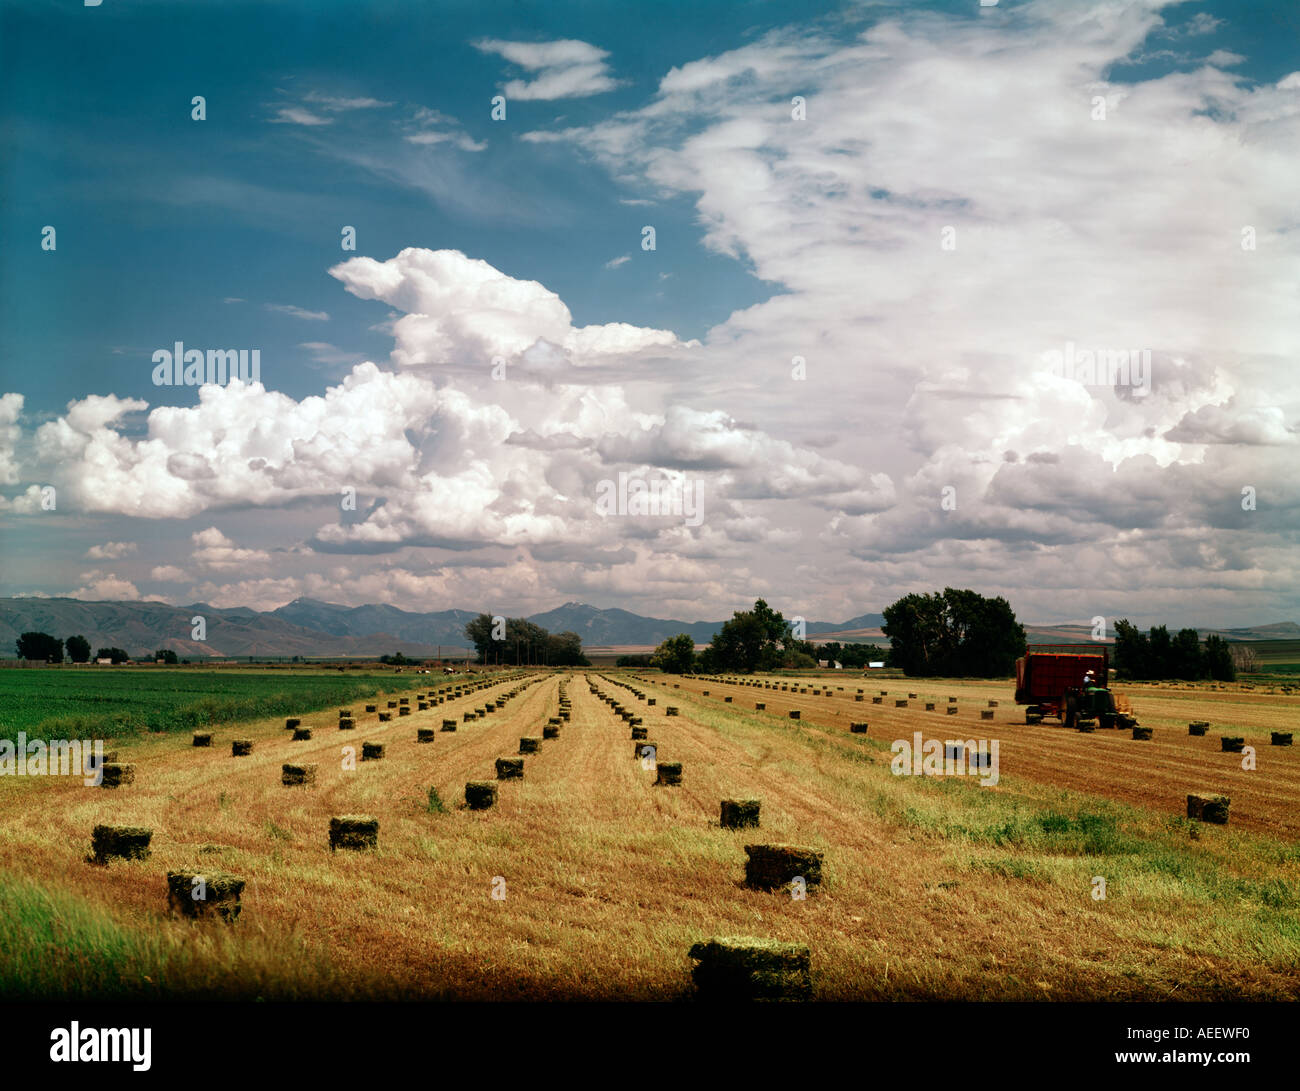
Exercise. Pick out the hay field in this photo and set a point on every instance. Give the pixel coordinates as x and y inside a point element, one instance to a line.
<point>933,888</point>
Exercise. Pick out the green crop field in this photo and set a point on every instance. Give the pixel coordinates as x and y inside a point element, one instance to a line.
<point>112,702</point>
<point>1277,656</point>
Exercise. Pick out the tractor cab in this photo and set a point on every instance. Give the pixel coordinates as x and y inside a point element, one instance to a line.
<point>1094,704</point>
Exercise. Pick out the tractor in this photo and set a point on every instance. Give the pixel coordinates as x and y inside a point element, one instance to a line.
<point>1069,681</point>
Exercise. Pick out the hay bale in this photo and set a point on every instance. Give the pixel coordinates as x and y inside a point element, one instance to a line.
<point>372,751</point>
<point>120,843</point>
<point>392,704</point>
<point>202,738</point>
<point>1281,738</point>
<point>650,702</point>
<point>912,696</point>
<point>469,717</point>
<point>858,727</point>
<point>347,725</point>
<point>884,693</point>
<point>773,867</point>
<point>671,710</point>
<point>857,697</point>
<point>354,831</point>
<point>742,969</point>
<point>639,732</point>
<point>302,734</point>
<point>726,700</point>
<point>241,748</point>
<point>992,703</point>
<point>1141,733</point>
<point>951,710</point>
<point>448,725</point>
<point>1198,727</point>
<point>704,693</point>
<point>1232,744</point>
<point>510,768</point>
<point>345,714</point>
<point>552,731</point>
<point>530,744</point>
<point>877,700</point>
<point>292,775</point>
<point>115,775</point>
<point>1205,807</point>
<point>291,723</point>
<point>403,701</point>
<point>370,708</point>
<point>668,773</point>
<point>480,794</point>
<point>423,706</point>
<point>900,702</point>
<point>402,710</point>
<point>795,714</point>
<point>739,814</point>
<point>220,894</point>
<point>760,706</point>
<point>929,706</point>
<point>385,717</point>
<point>425,734</point>
<point>952,700</point>
<point>986,714</point>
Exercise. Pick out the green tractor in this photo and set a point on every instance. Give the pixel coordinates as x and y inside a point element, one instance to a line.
<point>1095,705</point>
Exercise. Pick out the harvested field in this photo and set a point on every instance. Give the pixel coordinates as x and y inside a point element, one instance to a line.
<point>611,880</point>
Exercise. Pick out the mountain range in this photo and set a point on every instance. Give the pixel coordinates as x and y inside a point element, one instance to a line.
<point>309,627</point>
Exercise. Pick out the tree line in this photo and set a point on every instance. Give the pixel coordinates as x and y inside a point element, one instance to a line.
<point>49,649</point>
<point>517,642</point>
<point>1155,654</point>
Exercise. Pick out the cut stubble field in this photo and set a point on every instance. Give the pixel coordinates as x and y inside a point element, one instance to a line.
<point>933,887</point>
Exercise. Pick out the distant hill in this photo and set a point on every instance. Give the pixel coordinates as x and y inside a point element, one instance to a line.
<point>310,627</point>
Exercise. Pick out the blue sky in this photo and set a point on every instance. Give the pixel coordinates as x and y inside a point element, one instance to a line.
<point>777,239</point>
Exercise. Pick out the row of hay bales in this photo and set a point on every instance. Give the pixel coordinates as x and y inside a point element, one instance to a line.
<point>198,892</point>
<point>480,795</point>
<point>739,968</point>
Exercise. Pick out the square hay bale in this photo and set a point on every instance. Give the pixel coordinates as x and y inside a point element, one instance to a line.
<point>795,714</point>
<point>469,717</point>
<point>884,693</point>
<point>1198,727</point>
<point>1232,744</point>
<point>302,734</point>
<point>565,715</point>
<point>911,696</point>
<point>671,710</point>
<point>858,727</point>
<point>294,775</point>
<point>760,706</point>
<point>372,751</point>
<point>345,714</point>
<point>952,700</point>
<point>510,768</point>
<point>448,725</point>
<point>773,867</point>
<point>202,738</point>
<point>726,700</point>
<point>402,710</point>
<point>403,701</point>
<point>704,693</point>
<point>120,843</point>
<point>992,703</point>
<point>241,748</point>
<point>1141,733</point>
<point>199,893</point>
<point>668,773</point>
<point>900,702</point>
<point>857,697</point>
<point>480,794</point>
<point>385,717</point>
<point>291,723</point>
<point>354,831</point>
<point>929,706</point>
<point>392,704</point>
<point>552,731</point>
<point>650,702</point>
<point>951,710</point>
<point>1206,807</point>
<point>371,708</point>
<point>423,706</point>
<point>1281,738</point>
<point>739,814</point>
<point>635,721</point>
<point>347,725</point>
<point>530,744</point>
<point>986,714</point>
<point>554,720</point>
<point>743,969</point>
<point>425,734</point>
<point>115,775</point>
<point>639,732</point>
<point>877,700</point>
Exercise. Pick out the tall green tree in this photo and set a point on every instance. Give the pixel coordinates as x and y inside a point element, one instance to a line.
<point>956,633</point>
<point>1218,659</point>
<point>752,640</point>
<point>676,655</point>
<point>41,646</point>
<point>78,649</point>
<point>1185,662</point>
